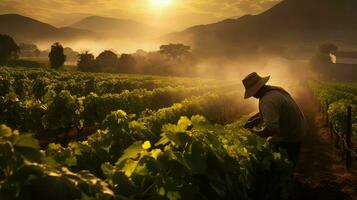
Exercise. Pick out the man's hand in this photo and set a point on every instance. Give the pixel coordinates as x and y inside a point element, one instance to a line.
<point>253,121</point>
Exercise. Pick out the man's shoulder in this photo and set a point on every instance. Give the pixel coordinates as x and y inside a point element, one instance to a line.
<point>271,95</point>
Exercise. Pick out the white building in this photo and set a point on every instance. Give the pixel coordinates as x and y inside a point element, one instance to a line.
<point>344,57</point>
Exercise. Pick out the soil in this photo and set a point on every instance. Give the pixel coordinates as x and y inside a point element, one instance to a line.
<point>321,172</point>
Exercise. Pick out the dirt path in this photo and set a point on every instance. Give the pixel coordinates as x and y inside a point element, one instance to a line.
<point>321,174</point>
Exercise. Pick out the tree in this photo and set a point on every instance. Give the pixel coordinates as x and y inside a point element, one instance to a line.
<point>127,63</point>
<point>107,60</point>
<point>29,50</point>
<point>321,62</point>
<point>322,56</point>
<point>327,48</point>
<point>8,48</point>
<point>57,57</point>
<point>175,50</point>
<point>86,62</point>
<point>71,55</point>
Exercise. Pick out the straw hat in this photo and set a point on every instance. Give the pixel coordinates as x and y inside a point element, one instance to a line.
<point>252,83</point>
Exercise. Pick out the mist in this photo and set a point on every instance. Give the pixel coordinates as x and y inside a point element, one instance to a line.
<point>119,46</point>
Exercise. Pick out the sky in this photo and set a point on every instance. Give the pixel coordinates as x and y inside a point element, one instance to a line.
<point>172,15</point>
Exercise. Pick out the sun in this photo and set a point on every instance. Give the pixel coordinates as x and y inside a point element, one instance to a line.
<point>161,3</point>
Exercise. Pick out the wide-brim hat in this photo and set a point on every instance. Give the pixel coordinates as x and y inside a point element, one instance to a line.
<point>252,83</point>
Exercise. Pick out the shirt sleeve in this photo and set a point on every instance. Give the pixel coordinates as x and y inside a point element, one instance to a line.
<point>269,109</point>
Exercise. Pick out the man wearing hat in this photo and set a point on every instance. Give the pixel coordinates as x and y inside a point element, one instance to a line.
<point>283,121</point>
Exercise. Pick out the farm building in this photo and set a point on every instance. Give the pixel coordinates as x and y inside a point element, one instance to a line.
<point>344,57</point>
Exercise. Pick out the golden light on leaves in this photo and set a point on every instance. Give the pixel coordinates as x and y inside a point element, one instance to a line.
<point>146,145</point>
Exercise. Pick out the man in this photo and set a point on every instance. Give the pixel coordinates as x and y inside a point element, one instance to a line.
<point>283,122</point>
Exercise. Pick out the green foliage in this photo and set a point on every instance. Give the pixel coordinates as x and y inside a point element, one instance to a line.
<point>5,85</point>
<point>22,87</point>
<point>338,115</point>
<point>62,112</point>
<point>25,173</point>
<point>28,99</point>
<point>40,87</point>
<point>339,96</point>
<point>190,162</point>
<point>86,62</point>
<point>192,159</point>
<point>140,146</point>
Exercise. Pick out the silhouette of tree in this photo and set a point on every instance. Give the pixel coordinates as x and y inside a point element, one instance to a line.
<point>27,47</point>
<point>71,55</point>
<point>57,57</point>
<point>29,50</point>
<point>175,50</point>
<point>141,52</point>
<point>107,60</point>
<point>322,56</point>
<point>127,63</point>
<point>8,48</point>
<point>327,48</point>
<point>86,62</point>
<point>321,62</point>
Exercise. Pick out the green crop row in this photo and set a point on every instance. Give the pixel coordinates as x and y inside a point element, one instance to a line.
<point>338,96</point>
<point>190,160</point>
<point>61,113</point>
<point>36,83</point>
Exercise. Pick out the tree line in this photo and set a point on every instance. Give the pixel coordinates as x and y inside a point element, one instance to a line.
<point>170,59</point>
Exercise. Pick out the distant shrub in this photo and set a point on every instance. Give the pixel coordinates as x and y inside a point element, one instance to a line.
<point>56,56</point>
<point>23,63</point>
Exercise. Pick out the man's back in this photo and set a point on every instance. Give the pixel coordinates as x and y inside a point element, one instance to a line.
<point>283,116</point>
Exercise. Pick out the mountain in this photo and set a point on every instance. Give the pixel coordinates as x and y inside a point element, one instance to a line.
<point>112,27</point>
<point>25,29</point>
<point>290,23</point>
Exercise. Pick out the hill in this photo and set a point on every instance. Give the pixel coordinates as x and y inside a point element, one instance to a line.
<point>112,27</point>
<point>289,23</point>
<point>25,29</point>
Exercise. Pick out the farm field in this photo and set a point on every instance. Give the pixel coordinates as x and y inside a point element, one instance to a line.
<point>178,100</point>
<point>105,136</point>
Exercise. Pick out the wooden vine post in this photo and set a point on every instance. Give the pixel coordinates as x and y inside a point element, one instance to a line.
<point>326,110</point>
<point>348,138</point>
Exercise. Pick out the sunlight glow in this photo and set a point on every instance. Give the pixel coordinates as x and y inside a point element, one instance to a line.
<point>161,3</point>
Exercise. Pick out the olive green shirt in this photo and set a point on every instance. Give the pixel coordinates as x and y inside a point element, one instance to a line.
<point>282,117</point>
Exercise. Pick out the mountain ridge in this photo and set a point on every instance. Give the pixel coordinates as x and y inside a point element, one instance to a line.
<point>26,29</point>
<point>290,22</point>
<point>113,27</point>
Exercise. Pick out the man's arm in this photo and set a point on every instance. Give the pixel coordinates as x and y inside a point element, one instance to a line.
<point>253,121</point>
<point>269,110</point>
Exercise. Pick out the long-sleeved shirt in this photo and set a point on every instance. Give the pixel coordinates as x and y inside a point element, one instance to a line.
<point>282,117</point>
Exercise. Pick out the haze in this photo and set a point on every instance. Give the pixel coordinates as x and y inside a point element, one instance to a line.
<point>157,13</point>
